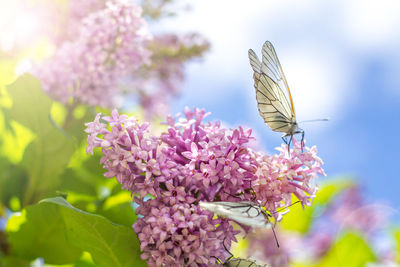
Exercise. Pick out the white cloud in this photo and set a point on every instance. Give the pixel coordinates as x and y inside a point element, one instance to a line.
<point>370,23</point>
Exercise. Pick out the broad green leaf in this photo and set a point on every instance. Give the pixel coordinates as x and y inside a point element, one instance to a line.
<point>48,154</point>
<point>79,182</point>
<point>350,250</point>
<point>108,243</point>
<point>13,180</point>
<point>42,234</point>
<point>119,209</point>
<point>58,232</point>
<point>14,138</point>
<point>9,261</point>
<point>31,106</point>
<point>75,122</point>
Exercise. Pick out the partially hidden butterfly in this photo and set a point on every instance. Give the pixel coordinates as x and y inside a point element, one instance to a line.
<point>245,212</point>
<point>237,262</point>
<point>273,105</point>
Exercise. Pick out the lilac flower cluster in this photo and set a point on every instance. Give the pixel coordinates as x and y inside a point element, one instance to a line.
<point>280,176</point>
<point>62,21</point>
<point>192,161</point>
<point>351,212</point>
<point>104,50</point>
<point>111,43</point>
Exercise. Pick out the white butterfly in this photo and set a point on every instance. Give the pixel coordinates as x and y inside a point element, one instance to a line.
<point>273,104</point>
<point>245,212</point>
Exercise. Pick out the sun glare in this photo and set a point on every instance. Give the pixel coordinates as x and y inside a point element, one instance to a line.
<point>18,26</point>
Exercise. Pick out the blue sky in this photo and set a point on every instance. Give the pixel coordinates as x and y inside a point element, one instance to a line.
<point>342,61</point>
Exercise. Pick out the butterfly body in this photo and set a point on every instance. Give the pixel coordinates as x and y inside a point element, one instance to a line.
<point>272,93</point>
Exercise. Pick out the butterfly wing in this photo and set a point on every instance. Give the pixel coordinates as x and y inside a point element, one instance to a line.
<point>246,213</point>
<point>269,80</point>
<point>239,262</point>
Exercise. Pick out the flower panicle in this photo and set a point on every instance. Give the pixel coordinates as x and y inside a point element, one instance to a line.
<point>194,161</point>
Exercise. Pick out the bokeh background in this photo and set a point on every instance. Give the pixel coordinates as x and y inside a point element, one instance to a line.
<point>342,61</point>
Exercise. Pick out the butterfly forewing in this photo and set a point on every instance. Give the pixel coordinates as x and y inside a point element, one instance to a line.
<point>270,84</point>
<point>273,69</point>
<point>246,213</point>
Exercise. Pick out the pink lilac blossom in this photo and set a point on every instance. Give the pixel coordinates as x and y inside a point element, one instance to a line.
<point>62,19</point>
<point>111,44</point>
<point>279,176</point>
<point>77,10</point>
<point>163,79</point>
<point>351,212</point>
<point>192,161</point>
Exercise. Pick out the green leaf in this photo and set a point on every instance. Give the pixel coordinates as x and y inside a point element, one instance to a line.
<point>13,261</point>
<point>350,250</point>
<point>332,188</point>
<point>108,243</point>
<point>48,154</point>
<point>54,227</point>
<point>14,138</point>
<point>299,219</point>
<point>85,174</point>
<point>13,180</point>
<point>31,106</point>
<point>42,234</point>
<point>119,209</point>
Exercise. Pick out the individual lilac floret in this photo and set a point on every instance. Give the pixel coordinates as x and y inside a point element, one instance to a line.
<point>111,44</point>
<point>280,176</point>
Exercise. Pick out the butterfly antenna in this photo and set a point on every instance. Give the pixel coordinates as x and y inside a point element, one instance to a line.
<point>287,206</point>
<point>325,119</point>
<point>276,239</point>
<point>229,194</point>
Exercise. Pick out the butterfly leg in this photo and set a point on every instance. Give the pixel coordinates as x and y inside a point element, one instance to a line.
<point>290,141</point>
<point>302,141</point>
<point>231,255</point>
<point>284,138</point>
<point>273,231</point>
